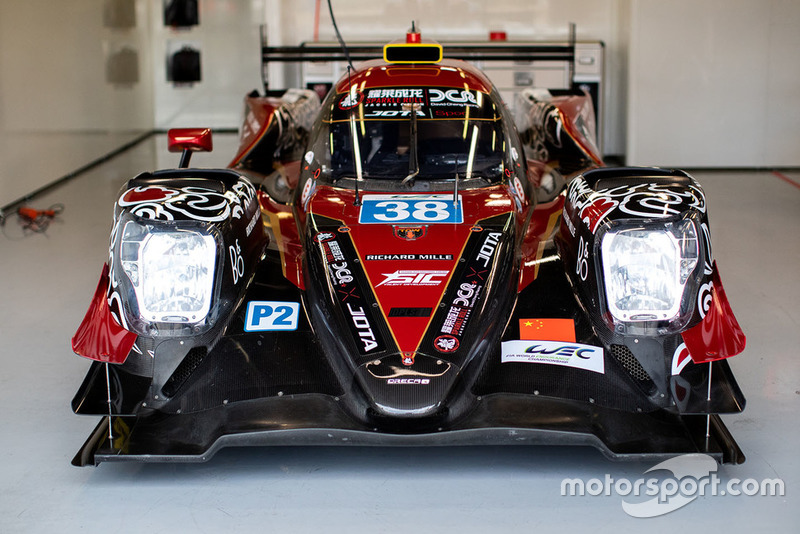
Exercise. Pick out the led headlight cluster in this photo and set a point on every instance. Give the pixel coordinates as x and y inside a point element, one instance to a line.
<point>171,271</point>
<point>646,269</point>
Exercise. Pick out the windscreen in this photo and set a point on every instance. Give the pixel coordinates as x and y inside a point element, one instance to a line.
<point>426,133</point>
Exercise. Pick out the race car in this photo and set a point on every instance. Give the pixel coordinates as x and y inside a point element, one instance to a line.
<point>409,263</point>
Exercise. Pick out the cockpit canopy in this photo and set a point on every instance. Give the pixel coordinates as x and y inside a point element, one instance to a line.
<point>425,135</point>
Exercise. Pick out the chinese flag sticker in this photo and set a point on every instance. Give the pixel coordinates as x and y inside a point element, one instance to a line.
<point>547,329</point>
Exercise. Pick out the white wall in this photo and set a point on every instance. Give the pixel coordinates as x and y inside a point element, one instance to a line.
<point>714,83</point>
<point>229,44</point>
<point>53,67</point>
<point>57,109</point>
<point>711,82</point>
<point>53,58</point>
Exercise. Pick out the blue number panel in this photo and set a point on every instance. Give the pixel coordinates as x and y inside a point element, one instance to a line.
<point>410,209</point>
<point>263,315</point>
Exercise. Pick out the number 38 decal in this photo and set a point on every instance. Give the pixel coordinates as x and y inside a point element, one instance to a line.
<point>265,315</point>
<point>418,209</point>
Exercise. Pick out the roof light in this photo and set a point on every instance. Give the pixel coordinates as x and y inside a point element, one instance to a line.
<point>412,53</point>
<point>413,50</point>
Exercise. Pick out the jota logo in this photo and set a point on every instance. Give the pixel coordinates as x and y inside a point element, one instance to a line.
<point>488,247</point>
<point>413,278</point>
<point>364,328</point>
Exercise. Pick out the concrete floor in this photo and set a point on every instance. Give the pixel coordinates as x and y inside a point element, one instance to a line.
<point>46,282</point>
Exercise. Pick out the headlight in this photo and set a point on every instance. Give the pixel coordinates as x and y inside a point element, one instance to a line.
<point>170,270</point>
<point>645,270</point>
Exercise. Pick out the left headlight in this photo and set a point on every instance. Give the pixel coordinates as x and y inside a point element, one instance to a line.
<point>171,271</point>
<point>646,269</point>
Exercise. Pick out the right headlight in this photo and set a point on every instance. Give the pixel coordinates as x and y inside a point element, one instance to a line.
<point>646,269</point>
<point>171,274</point>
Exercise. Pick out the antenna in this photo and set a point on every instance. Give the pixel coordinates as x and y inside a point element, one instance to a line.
<point>339,35</point>
<point>354,135</point>
<point>413,159</point>
<point>455,189</point>
<point>357,201</point>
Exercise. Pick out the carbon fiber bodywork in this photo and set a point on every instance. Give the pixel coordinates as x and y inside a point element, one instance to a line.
<point>407,270</point>
<point>268,389</point>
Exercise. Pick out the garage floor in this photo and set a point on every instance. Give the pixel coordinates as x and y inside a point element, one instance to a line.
<point>46,282</point>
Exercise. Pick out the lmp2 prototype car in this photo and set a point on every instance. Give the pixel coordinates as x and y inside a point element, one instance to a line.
<point>405,264</point>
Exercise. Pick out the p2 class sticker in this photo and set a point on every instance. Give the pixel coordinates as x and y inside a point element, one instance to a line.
<point>410,209</point>
<point>269,315</point>
<point>575,355</point>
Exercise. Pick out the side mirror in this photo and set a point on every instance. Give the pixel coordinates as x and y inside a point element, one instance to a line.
<point>188,140</point>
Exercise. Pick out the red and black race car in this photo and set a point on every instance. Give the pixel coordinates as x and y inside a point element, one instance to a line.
<point>406,264</point>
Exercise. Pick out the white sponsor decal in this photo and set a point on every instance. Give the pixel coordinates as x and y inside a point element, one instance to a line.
<point>570,226</point>
<point>489,245</point>
<point>413,278</point>
<point>582,263</point>
<point>577,355</point>
<point>467,294</point>
<point>395,93</point>
<point>364,329</point>
<point>407,257</point>
<point>391,113</point>
<point>454,96</point>
<point>253,221</point>
<point>341,274</point>
<point>419,381</point>
<point>237,262</point>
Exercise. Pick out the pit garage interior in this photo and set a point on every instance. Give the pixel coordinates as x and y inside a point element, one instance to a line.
<point>86,94</point>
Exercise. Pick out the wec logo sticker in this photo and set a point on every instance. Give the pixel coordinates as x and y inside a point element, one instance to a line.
<point>576,355</point>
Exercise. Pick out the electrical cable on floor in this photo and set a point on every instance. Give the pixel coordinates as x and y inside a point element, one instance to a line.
<point>31,220</point>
